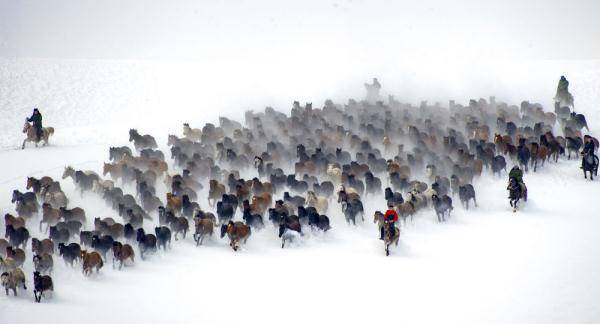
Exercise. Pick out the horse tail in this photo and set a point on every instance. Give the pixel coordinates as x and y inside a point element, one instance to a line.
<point>50,130</point>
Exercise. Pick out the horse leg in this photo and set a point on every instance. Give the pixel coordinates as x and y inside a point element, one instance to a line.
<point>23,146</point>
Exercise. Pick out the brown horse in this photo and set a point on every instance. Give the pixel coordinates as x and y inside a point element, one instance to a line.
<point>237,232</point>
<point>204,226</point>
<point>3,244</point>
<point>36,185</point>
<point>193,134</point>
<point>114,169</point>
<point>43,246</point>
<point>215,192</point>
<point>32,135</point>
<point>121,253</point>
<point>261,202</point>
<point>481,133</point>
<point>7,264</point>
<point>50,216</point>
<point>91,260</point>
<point>539,153</point>
<point>406,209</point>
<point>174,203</point>
<point>10,280</point>
<point>501,142</point>
<point>16,254</point>
<point>16,222</point>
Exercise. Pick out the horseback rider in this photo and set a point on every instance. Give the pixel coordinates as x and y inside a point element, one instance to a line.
<point>563,88</point>
<point>588,148</point>
<point>373,90</point>
<point>517,174</point>
<point>36,119</point>
<point>391,217</point>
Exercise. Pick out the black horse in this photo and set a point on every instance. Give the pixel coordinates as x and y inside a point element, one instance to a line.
<point>516,193</point>
<point>590,164</point>
<point>523,156</point>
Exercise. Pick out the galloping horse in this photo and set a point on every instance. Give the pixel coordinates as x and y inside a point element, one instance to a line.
<point>515,193</point>
<point>388,238</point>
<point>32,136</point>
<point>590,164</point>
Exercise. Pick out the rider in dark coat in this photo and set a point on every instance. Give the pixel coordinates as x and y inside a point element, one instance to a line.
<point>36,119</point>
<point>588,147</point>
<point>517,174</point>
<point>563,88</point>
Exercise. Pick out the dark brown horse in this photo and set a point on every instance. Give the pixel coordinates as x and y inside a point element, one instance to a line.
<point>91,260</point>
<point>121,253</point>
<point>237,232</point>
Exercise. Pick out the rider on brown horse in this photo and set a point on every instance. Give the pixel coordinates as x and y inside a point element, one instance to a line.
<point>36,119</point>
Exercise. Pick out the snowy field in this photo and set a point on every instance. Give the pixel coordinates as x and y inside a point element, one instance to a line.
<point>485,265</point>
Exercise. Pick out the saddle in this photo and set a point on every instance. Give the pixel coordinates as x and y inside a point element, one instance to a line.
<point>393,230</point>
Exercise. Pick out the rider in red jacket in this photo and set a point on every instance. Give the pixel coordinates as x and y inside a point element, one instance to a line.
<point>390,216</point>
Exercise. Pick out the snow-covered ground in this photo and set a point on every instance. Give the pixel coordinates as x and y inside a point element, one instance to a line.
<point>486,265</point>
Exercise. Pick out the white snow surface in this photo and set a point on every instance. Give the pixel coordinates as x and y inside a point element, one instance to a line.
<point>485,265</point>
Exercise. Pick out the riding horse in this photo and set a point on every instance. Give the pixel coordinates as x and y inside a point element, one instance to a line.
<point>516,193</point>
<point>590,164</point>
<point>391,235</point>
<point>32,134</point>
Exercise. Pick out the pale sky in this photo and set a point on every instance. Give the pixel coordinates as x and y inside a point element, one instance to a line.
<point>317,29</point>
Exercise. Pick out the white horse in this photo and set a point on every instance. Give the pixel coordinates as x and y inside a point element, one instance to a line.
<point>320,203</point>
<point>32,135</point>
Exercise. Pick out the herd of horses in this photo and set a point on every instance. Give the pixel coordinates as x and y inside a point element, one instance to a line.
<point>299,169</point>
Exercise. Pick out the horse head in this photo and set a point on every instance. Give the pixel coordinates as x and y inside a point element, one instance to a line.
<point>16,196</point>
<point>30,182</point>
<point>26,126</point>
<point>133,134</point>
